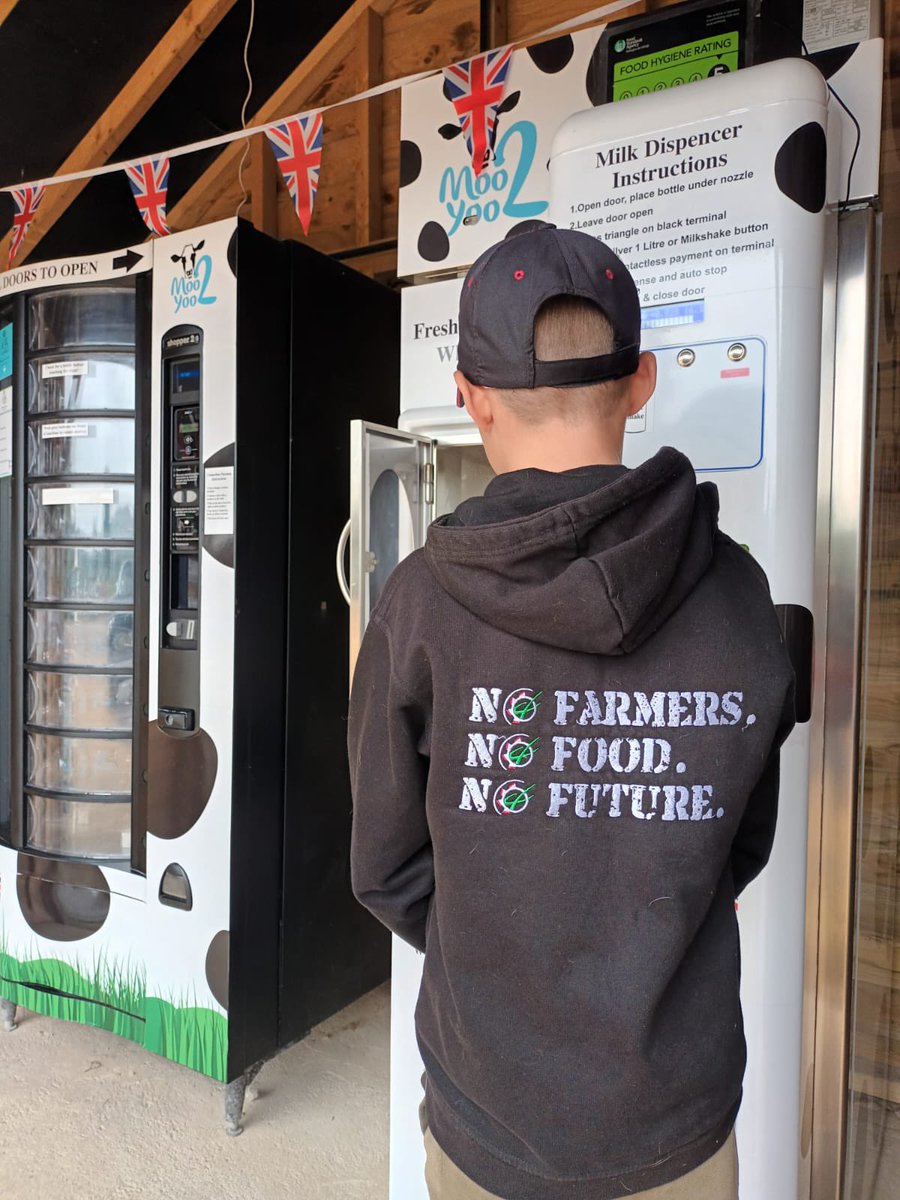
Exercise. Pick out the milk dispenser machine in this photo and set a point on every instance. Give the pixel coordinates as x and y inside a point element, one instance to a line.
<point>722,197</point>
<point>174,801</point>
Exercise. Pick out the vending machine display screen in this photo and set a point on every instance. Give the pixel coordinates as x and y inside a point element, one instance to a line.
<point>185,376</point>
<point>187,434</point>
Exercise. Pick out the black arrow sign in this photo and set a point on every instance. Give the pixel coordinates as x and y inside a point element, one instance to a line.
<point>127,260</point>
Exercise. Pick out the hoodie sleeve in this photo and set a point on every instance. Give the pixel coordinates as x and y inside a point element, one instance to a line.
<point>753,842</point>
<point>392,862</point>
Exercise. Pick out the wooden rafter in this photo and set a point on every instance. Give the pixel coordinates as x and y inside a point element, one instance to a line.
<point>369,125</point>
<point>176,48</point>
<point>315,81</point>
<point>6,7</point>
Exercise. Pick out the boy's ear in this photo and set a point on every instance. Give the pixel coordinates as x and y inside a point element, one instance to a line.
<point>476,401</point>
<point>642,384</point>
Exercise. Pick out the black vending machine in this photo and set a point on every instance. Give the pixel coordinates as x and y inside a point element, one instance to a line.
<point>174,796</point>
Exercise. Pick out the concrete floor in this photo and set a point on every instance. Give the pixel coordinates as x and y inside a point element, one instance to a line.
<point>85,1114</point>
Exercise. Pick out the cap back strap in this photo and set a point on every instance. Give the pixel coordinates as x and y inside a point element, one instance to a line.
<point>577,372</point>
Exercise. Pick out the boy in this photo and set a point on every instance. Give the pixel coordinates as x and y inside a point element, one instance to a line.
<point>564,736</point>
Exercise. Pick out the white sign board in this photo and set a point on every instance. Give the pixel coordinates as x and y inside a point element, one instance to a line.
<point>447,215</point>
<point>6,433</point>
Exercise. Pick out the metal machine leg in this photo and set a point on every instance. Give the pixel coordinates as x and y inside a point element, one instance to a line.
<point>234,1100</point>
<point>8,1015</point>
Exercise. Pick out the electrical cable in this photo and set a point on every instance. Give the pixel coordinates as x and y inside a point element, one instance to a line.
<point>249,75</point>
<point>855,123</point>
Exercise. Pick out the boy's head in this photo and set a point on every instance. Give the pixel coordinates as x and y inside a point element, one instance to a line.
<point>549,350</point>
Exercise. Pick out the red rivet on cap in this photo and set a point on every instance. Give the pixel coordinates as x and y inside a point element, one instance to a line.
<point>609,274</point>
<point>520,274</point>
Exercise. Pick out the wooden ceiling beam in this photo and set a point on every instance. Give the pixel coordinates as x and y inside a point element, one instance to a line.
<point>174,50</point>
<point>6,7</point>
<point>315,81</point>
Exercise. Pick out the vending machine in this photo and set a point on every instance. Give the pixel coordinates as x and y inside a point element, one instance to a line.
<point>174,797</point>
<point>723,197</point>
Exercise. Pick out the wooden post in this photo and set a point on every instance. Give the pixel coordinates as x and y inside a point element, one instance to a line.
<point>369,122</point>
<point>494,24</point>
<point>261,176</point>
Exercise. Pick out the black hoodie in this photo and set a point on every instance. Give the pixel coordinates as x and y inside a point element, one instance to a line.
<point>564,735</point>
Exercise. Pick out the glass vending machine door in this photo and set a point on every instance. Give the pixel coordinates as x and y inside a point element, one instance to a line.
<point>391,507</point>
<point>79,571</point>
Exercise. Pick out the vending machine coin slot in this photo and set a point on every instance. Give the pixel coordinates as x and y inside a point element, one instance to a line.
<point>179,685</point>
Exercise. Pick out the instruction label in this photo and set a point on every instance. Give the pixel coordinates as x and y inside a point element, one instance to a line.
<point>828,23</point>
<point>56,370</point>
<point>218,501</point>
<point>682,210</point>
<point>65,429</point>
<point>6,432</point>
<point>78,495</point>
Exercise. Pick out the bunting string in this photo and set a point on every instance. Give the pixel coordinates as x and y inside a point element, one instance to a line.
<point>26,200</point>
<point>588,18</point>
<point>149,181</point>
<point>476,88</point>
<point>297,144</point>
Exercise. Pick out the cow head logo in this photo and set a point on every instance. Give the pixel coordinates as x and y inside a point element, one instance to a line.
<point>188,258</point>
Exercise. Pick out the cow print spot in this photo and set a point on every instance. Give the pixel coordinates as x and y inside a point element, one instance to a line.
<point>433,245</point>
<point>62,901</point>
<point>231,253</point>
<point>448,95</point>
<point>550,57</point>
<point>528,227</point>
<point>800,166</point>
<point>182,774</point>
<point>410,162</point>
<point>595,82</point>
<point>220,546</point>
<point>830,62</point>
<point>217,966</point>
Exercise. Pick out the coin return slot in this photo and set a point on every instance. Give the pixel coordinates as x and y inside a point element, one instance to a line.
<point>175,888</point>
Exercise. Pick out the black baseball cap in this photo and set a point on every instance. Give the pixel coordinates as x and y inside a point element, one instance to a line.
<point>508,284</point>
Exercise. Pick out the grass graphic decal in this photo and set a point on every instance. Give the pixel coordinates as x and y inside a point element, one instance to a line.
<point>110,994</point>
<point>193,1036</point>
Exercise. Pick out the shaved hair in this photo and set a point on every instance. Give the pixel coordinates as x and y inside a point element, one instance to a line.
<point>568,327</point>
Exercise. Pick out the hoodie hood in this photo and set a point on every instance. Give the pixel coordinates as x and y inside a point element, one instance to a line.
<point>574,575</point>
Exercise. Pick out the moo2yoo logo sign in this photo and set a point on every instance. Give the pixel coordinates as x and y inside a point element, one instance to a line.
<point>191,287</point>
<point>469,199</point>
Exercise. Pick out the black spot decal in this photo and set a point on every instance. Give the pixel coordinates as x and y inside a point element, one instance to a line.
<point>800,167</point>
<point>595,82</point>
<point>508,103</point>
<point>62,901</point>
<point>221,545</point>
<point>550,57</point>
<point>182,774</point>
<point>830,62</point>
<point>217,966</point>
<point>231,253</point>
<point>448,132</point>
<point>410,162</point>
<point>448,95</point>
<point>433,245</point>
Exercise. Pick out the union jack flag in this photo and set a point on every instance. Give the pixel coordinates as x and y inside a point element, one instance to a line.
<point>149,181</point>
<point>297,143</point>
<point>26,201</point>
<point>476,88</point>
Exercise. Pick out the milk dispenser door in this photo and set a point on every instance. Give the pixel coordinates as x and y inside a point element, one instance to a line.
<point>391,507</point>
<point>79,571</point>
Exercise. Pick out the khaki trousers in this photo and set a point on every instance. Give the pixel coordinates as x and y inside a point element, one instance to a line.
<point>716,1179</point>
